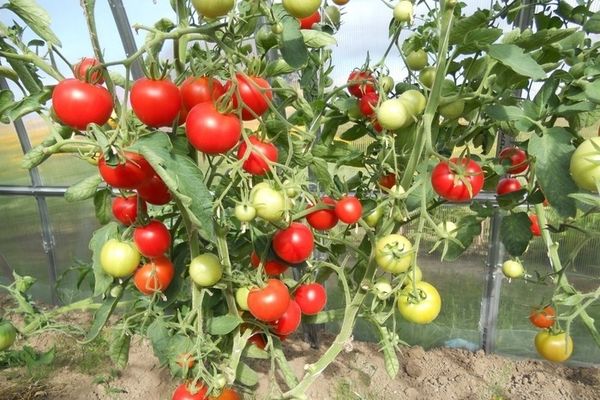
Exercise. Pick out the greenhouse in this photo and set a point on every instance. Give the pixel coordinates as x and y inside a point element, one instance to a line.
<point>299,199</point>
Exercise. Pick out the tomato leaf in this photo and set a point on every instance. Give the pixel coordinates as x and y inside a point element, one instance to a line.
<point>292,45</point>
<point>103,205</point>
<point>246,375</point>
<point>223,324</point>
<point>463,26</point>
<point>515,233</point>
<point>119,348</point>
<point>84,189</point>
<point>317,39</point>
<point>516,59</point>
<point>592,25</point>
<point>592,91</point>
<point>320,169</point>
<point>356,132</point>
<point>255,352</point>
<point>34,157</point>
<point>101,317</point>
<point>159,337</point>
<point>35,17</point>
<point>468,228</point>
<point>102,281</point>
<point>553,156</point>
<point>324,317</point>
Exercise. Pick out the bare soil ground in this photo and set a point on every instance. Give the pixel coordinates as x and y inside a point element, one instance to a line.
<point>359,373</point>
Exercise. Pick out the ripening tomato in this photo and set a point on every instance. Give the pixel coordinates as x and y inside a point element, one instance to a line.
<point>182,392</point>
<point>258,340</point>
<point>308,22</point>
<point>361,83</point>
<point>270,204</point>
<point>325,219</point>
<point>516,158</point>
<point>154,276</point>
<point>392,114</point>
<point>367,104</point>
<point>348,209</point>
<point>129,174</point>
<point>260,155</point>
<point>227,394</point>
<point>387,180</point>
<point>206,269</point>
<point>414,102</point>
<point>119,259</point>
<point>394,253</point>
<point>421,307</point>
<point>271,267</point>
<point>213,8</point>
<point>301,8</point>
<point>556,347</point>
<point>155,191</point>
<point>543,317</point>
<point>153,239</point>
<point>80,71</point>
<point>255,94</point>
<point>125,209</point>
<point>186,360</point>
<point>155,102</point>
<point>8,334</point>
<point>244,212</point>
<point>201,89</point>
<point>294,244</point>
<point>459,180</point>
<point>289,321</point>
<point>78,103</point>
<point>210,131</point>
<point>508,185</point>
<point>311,297</point>
<point>535,226</point>
<point>270,302</point>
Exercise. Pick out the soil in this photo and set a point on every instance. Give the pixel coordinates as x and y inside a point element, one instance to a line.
<point>358,373</point>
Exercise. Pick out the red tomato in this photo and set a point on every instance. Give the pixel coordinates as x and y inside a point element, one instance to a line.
<point>227,394</point>
<point>348,209</point>
<point>255,94</point>
<point>125,209</point>
<point>367,104</point>
<point>388,180</point>
<point>361,83</point>
<point>154,276</point>
<point>323,220</point>
<point>261,155</point>
<point>543,318</point>
<point>270,302</point>
<point>535,226</point>
<point>152,240</point>
<point>308,22</point>
<point>201,89</point>
<point>78,103</point>
<point>258,339</point>
<point>311,298</point>
<point>376,125</point>
<point>294,244</point>
<point>182,393</point>
<point>450,180</point>
<point>508,185</point>
<point>271,267</point>
<point>517,157</point>
<point>154,191</point>
<point>289,321</point>
<point>128,175</point>
<point>80,71</point>
<point>211,132</point>
<point>155,103</point>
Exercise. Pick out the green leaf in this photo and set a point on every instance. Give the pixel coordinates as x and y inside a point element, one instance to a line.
<point>324,317</point>
<point>592,25</point>
<point>354,133</point>
<point>159,337</point>
<point>103,205</point>
<point>585,198</point>
<point>34,157</point>
<point>255,352</point>
<point>516,59</point>
<point>469,227</point>
<point>320,169</point>
<point>246,375</point>
<point>552,152</point>
<point>479,39</point>
<point>27,105</point>
<point>515,233</point>
<point>463,26</point>
<point>223,324</point>
<point>84,189</point>
<point>545,37</point>
<point>278,67</point>
<point>35,17</point>
<point>102,281</point>
<point>293,48</point>
<point>317,39</point>
<point>505,113</point>
<point>101,317</point>
<point>592,91</point>
<point>119,348</point>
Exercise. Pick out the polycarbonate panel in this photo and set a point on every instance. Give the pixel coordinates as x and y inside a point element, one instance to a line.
<point>11,154</point>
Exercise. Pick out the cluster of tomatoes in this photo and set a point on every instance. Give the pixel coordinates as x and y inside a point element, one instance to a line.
<point>551,343</point>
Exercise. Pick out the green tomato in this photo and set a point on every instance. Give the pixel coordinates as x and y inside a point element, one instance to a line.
<point>585,165</point>
<point>206,270</point>
<point>277,28</point>
<point>392,114</point>
<point>414,101</point>
<point>387,83</point>
<point>245,212</point>
<point>427,76</point>
<point>8,334</point>
<point>394,253</point>
<point>452,110</point>
<point>374,216</point>
<point>119,259</point>
<point>213,8</point>
<point>241,298</point>
<point>422,308</point>
<point>408,275</point>
<point>301,8</point>
<point>403,12</point>
<point>513,269</point>
<point>354,111</point>
<point>269,203</point>
<point>382,288</point>
<point>265,38</point>
<point>416,60</point>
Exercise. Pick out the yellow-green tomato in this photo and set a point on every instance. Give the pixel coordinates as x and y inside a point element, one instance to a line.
<point>513,269</point>
<point>554,347</point>
<point>213,8</point>
<point>241,298</point>
<point>422,306</point>
<point>374,216</point>
<point>8,334</point>
<point>301,8</point>
<point>245,212</point>
<point>392,114</point>
<point>416,60</point>
<point>408,275</point>
<point>414,101</point>
<point>206,270</point>
<point>119,259</point>
<point>394,253</point>
<point>452,110</point>
<point>269,203</point>
<point>382,288</point>
<point>585,164</point>
<point>403,12</point>
<point>427,76</point>
<point>387,83</point>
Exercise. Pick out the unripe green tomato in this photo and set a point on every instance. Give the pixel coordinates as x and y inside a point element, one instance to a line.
<point>382,288</point>
<point>585,164</point>
<point>414,101</point>
<point>116,291</point>
<point>119,259</point>
<point>269,203</point>
<point>245,212</point>
<point>387,83</point>
<point>277,28</point>
<point>513,269</point>
<point>354,111</point>
<point>241,298</point>
<point>392,114</point>
<point>416,60</point>
<point>301,9</point>
<point>427,76</point>
<point>403,12</point>
<point>452,110</point>
<point>213,8</point>
<point>8,334</point>
<point>408,275</point>
<point>451,3</point>
<point>206,269</point>
<point>332,16</point>
<point>292,190</point>
<point>374,216</point>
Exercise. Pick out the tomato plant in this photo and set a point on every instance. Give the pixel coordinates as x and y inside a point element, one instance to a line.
<point>516,159</point>
<point>457,180</point>
<point>201,89</point>
<point>252,94</point>
<point>129,173</point>
<point>78,104</point>
<point>543,317</point>
<point>361,83</point>
<point>154,276</point>
<point>152,239</point>
<point>289,320</point>
<point>348,209</point>
<point>507,185</point>
<point>88,70</point>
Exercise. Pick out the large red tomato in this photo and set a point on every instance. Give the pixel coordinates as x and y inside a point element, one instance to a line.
<point>271,267</point>
<point>154,276</point>
<point>289,321</point>
<point>182,393</point>
<point>459,180</point>
<point>255,94</point>
<point>78,103</point>
<point>326,219</point>
<point>125,209</point>
<point>348,209</point>
<point>270,302</point>
<point>361,83</point>
<point>154,191</point>
<point>153,239</point>
<point>196,90</point>
<point>80,71</point>
<point>211,132</point>
<point>155,102</point>
<point>311,297</point>
<point>261,155</point>
<point>130,174</point>
<point>294,244</point>
<point>517,157</point>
